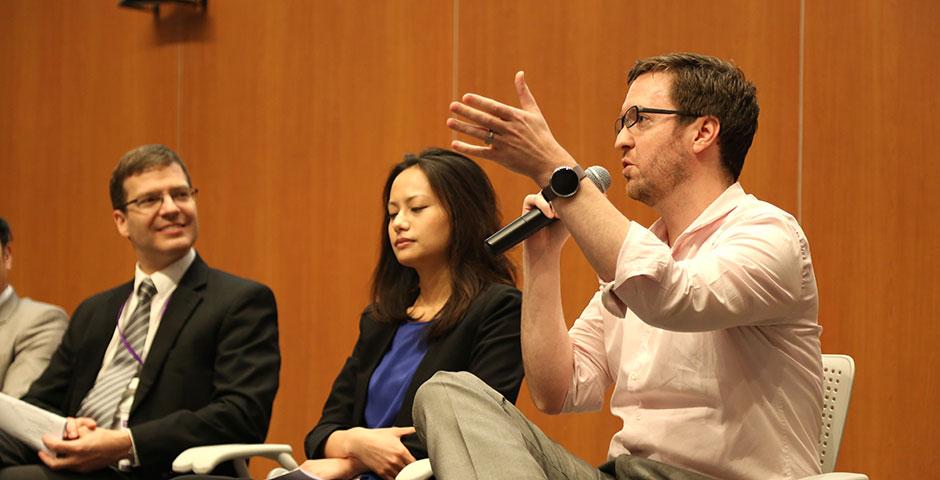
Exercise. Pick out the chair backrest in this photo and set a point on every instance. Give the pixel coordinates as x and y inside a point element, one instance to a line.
<point>838,374</point>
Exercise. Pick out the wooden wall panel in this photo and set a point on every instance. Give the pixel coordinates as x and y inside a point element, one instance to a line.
<point>292,115</point>
<point>870,202</point>
<point>576,57</point>
<point>80,84</point>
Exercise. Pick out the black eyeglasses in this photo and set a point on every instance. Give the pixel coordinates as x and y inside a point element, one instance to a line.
<point>152,201</point>
<point>632,116</point>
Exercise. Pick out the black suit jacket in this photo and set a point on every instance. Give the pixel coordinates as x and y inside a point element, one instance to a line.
<point>485,343</point>
<point>210,376</point>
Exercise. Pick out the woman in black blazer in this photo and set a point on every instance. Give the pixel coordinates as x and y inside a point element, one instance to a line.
<point>441,301</point>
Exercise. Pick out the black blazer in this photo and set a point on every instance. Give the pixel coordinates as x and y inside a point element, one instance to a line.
<point>485,343</point>
<point>210,376</point>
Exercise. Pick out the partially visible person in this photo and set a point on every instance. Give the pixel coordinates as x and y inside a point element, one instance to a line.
<point>182,355</point>
<point>29,330</point>
<point>704,325</point>
<point>440,301</point>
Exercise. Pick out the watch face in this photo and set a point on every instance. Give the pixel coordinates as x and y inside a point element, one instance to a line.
<point>565,182</point>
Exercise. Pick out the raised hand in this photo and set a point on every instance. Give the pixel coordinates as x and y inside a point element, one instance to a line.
<point>517,138</point>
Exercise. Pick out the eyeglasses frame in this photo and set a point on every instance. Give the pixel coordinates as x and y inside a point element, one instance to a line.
<point>621,121</point>
<point>136,201</point>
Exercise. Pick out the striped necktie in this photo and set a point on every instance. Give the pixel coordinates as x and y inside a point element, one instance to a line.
<point>102,401</point>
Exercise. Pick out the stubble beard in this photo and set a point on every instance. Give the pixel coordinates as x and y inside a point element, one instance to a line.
<point>664,173</point>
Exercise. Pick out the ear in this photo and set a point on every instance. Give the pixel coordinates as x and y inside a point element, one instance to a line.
<point>120,221</point>
<point>706,134</point>
<point>7,257</point>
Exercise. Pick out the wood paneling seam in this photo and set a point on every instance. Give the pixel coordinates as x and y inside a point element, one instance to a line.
<point>455,57</point>
<point>799,121</point>
<point>179,95</point>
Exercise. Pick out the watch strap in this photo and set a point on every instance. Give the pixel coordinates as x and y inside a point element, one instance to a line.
<point>550,194</point>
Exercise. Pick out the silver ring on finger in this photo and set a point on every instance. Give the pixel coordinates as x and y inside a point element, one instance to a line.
<point>489,137</point>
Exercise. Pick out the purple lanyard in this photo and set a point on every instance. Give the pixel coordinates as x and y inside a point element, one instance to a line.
<point>127,345</point>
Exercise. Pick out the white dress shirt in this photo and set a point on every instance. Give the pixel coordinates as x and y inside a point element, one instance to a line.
<point>165,281</point>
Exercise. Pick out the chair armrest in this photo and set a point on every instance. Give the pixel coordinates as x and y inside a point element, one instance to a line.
<point>417,470</point>
<point>202,460</point>
<point>837,476</point>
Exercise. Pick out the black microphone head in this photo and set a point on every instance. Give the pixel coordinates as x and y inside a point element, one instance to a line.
<point>600,176</point>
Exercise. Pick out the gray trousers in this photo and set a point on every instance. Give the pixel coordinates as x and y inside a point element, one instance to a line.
<point>473,432</point>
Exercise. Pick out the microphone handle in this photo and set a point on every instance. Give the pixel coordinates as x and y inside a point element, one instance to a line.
<point>517,231</point>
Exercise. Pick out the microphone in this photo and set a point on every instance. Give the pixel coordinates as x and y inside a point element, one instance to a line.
<point>534,220</point>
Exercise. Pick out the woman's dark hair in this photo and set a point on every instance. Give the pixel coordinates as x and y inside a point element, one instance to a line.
<point>6,236</point>
<point>468,197</point>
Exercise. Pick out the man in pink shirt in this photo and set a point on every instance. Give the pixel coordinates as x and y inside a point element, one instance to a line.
<point>705,324</point>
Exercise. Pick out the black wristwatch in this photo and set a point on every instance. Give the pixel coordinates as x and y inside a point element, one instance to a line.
<point>564,182</point>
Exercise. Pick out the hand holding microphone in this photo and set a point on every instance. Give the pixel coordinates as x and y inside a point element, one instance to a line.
<point>534,220</point>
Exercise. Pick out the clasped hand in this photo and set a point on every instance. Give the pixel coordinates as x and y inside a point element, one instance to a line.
<point>379,450</point>
<point>84,447</point>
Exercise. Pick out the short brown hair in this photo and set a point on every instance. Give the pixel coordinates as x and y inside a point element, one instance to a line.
<point>139,160</point>
<point>711,86</point>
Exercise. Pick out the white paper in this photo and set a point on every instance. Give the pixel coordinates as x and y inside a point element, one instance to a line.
<point>28,423</point>
<point>298,474</point>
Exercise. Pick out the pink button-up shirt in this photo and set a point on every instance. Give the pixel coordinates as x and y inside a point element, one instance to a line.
<point>712,345</point>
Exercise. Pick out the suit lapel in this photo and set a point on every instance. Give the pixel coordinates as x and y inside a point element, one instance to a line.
<point>437,356</point>
<point>95,343</point>
<point>182,304</point>
<point>8,307</point>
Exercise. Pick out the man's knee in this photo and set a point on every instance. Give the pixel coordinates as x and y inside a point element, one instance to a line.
<point>438,390</point>
<point>451,381</point>
<point>431,392</point>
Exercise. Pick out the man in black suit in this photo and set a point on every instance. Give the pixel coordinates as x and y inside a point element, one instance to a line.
<point>183,355</point>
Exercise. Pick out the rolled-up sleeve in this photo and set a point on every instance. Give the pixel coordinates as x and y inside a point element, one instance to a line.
<point>751,276</point>
<point>592,375</point>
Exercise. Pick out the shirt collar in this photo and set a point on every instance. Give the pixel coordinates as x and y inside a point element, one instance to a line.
<point>169,277</point>
<point>6,294</point>
<point>721,206</point>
